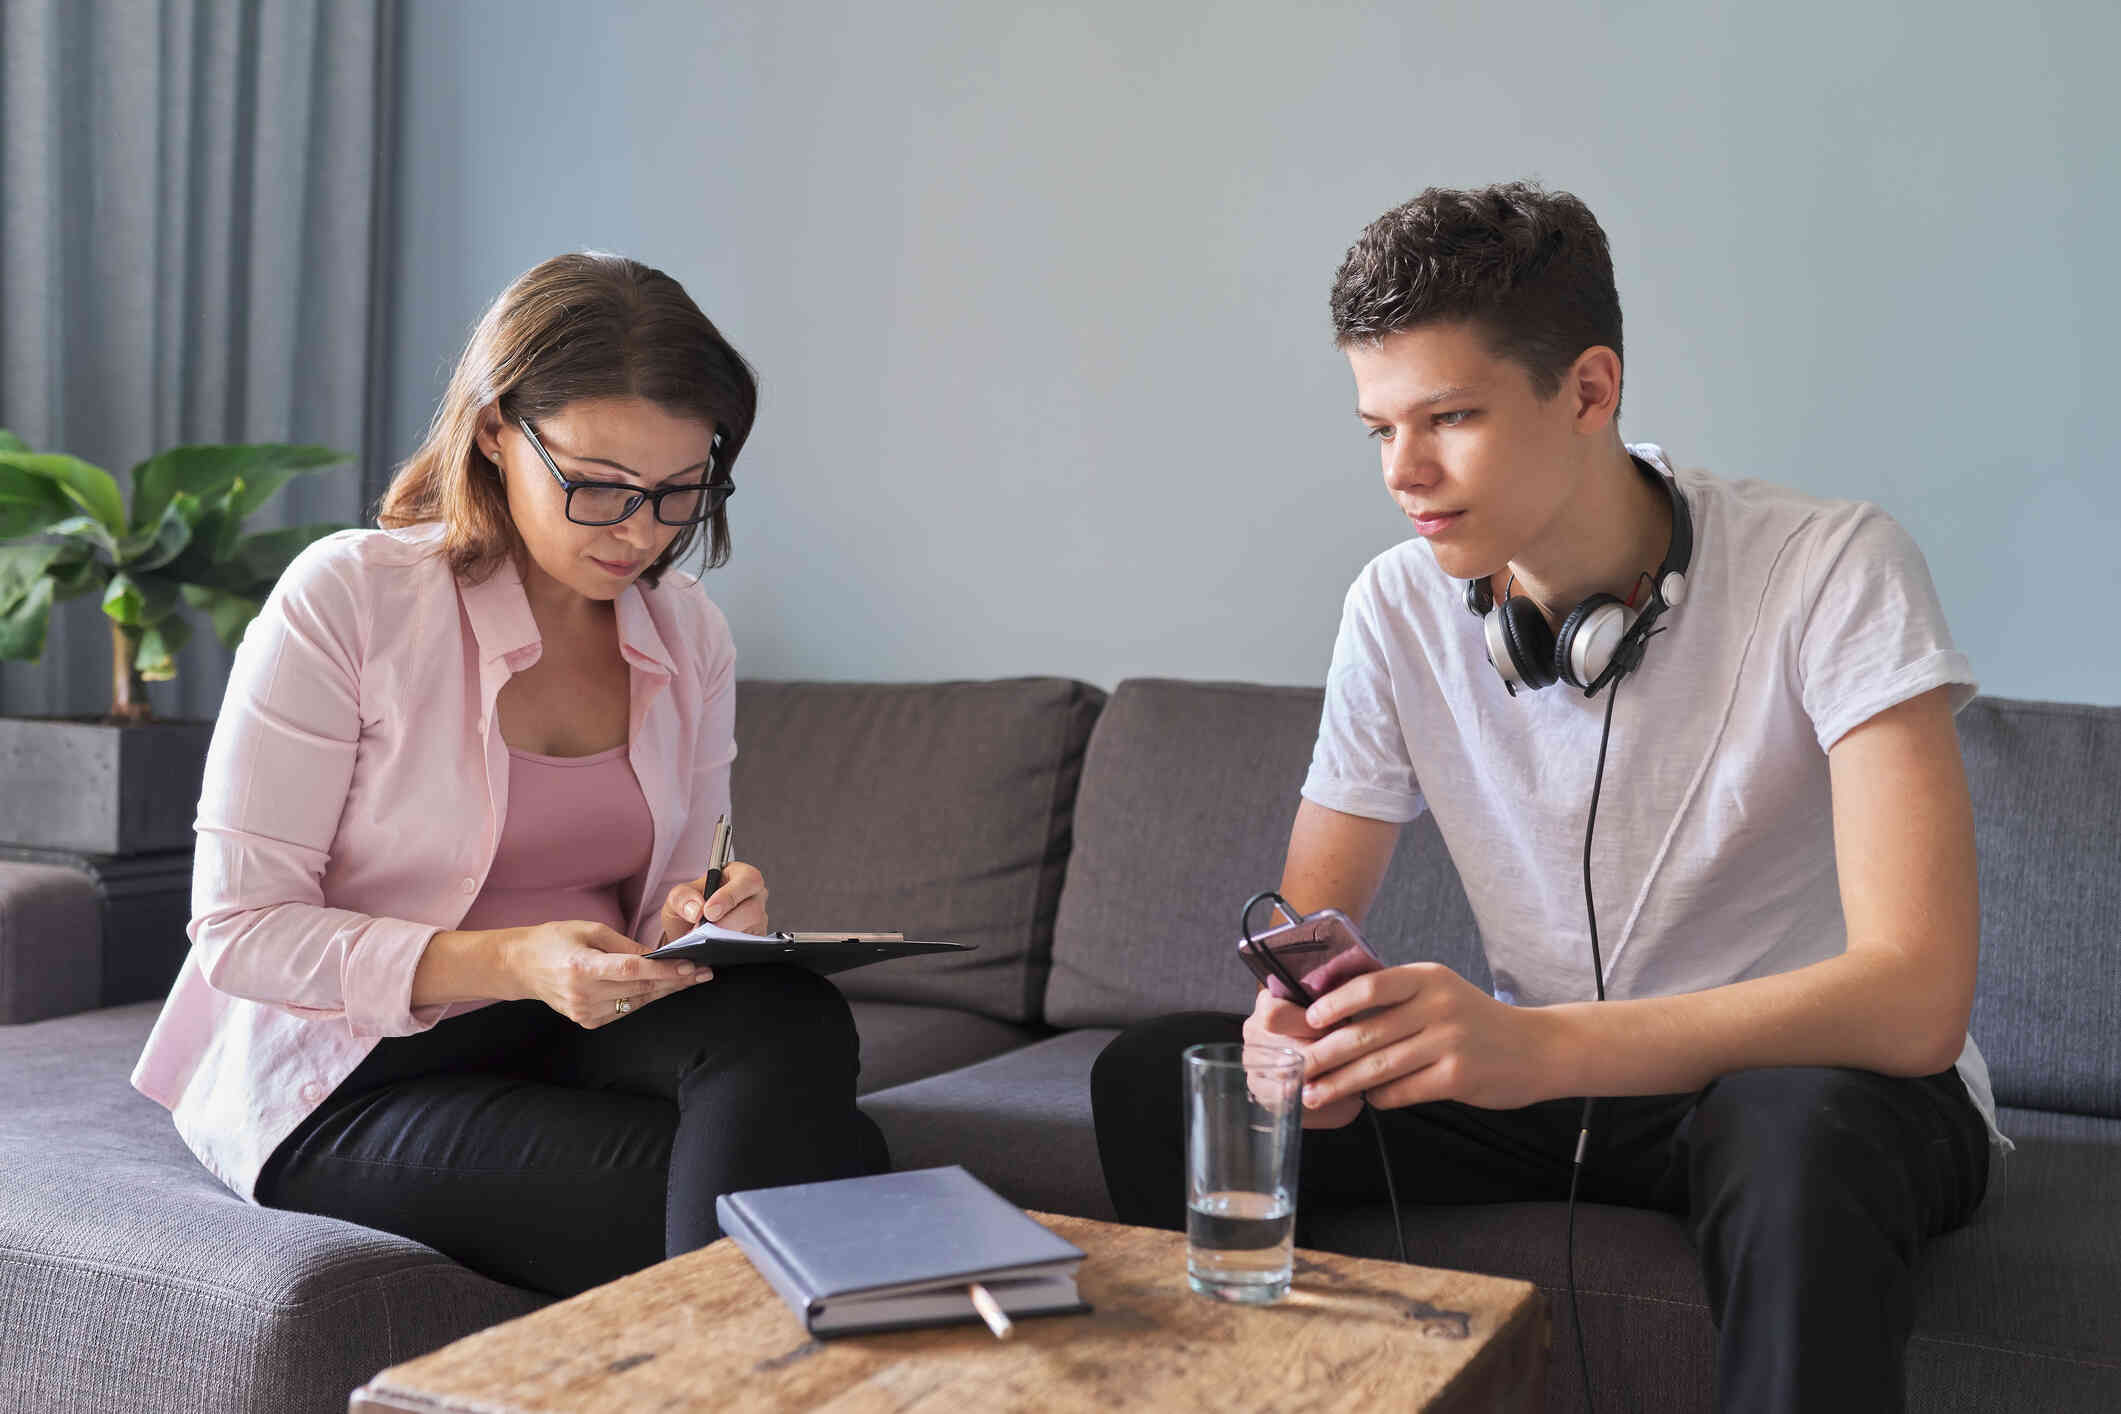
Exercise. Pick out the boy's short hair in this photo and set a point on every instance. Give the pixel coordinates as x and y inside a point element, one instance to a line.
<point>1528,268</point>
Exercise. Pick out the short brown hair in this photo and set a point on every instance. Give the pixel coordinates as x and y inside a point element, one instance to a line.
<point>583,325</point>
<point>1528,268</point>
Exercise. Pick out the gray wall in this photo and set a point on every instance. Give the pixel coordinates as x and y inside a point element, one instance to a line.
<point>1038,296</point>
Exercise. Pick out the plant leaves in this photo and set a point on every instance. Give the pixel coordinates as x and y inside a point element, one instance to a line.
<point>231,613</point>
<point>90,487</point>
<point>214,534</point>
<point>140,601</point>
<point>144,550</point>
<point>206,470</point>
<point>29,503</point>
<point>22,627</point>
<point>88,534</point>
<point>21,566</point>
<point>9,442</point>
<point>156,659</point>
<point>76,573</point>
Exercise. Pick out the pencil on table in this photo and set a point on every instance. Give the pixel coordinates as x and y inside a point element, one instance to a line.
<point>991,1312</point>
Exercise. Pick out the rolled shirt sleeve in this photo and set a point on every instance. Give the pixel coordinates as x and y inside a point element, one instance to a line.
<point>1874,633</point>
<point>1360,764</point>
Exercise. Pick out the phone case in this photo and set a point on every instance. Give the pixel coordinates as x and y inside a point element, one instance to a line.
<point>1303,960</point>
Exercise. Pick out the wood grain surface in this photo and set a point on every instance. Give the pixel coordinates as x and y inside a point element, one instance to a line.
<point>704,1332</point>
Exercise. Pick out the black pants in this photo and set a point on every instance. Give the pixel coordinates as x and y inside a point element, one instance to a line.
<point>559,1158</point>
<point>1807,1192</point>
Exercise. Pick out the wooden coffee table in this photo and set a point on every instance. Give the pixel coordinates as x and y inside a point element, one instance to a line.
<point>704,1332</point>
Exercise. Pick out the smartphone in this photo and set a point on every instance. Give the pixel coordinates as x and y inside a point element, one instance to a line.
<point>1302,961</point>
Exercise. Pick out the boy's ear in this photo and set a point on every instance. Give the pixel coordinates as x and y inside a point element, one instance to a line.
<point>1594,382</point>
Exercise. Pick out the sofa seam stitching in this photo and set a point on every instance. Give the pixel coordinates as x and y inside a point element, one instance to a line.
<point>2093,1362</point>
<point>234,1296</point>
<point>1034,997</point>
<point>2089,1361</point>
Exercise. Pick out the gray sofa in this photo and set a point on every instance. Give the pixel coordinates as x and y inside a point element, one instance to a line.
<point>1097,850</point>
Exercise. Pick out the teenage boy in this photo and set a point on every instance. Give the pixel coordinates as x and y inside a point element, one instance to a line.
<point>1783,851</point>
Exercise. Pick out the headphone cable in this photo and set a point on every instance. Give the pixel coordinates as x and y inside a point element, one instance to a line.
<point>1583,1134</point>
<point>1377,1130</point>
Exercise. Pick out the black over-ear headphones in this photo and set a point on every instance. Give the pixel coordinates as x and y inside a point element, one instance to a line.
<point>1597,643</point>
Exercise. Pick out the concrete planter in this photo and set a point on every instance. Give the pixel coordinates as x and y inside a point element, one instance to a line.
<point>81,785</point>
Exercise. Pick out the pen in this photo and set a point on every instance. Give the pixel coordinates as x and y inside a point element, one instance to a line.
<point>718,857</point>
<point>991,1311</point>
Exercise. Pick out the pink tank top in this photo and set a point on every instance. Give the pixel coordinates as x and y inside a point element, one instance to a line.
<point>578,828</point>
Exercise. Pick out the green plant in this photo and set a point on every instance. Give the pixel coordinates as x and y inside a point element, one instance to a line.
<point>64,533</point>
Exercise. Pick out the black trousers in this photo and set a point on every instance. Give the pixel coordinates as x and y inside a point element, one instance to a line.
<point>558,1158</point>
<point>1807,1192</point>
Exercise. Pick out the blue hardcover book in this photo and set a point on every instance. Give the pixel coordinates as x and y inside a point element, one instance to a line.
<point>899,1249</point>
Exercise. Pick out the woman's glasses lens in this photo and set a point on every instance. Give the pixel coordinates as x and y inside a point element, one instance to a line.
<point>608,505</point>
<point>600,505</point>
<point>681,507</point>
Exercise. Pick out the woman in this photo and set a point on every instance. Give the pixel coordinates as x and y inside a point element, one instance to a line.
<point>468,769</point>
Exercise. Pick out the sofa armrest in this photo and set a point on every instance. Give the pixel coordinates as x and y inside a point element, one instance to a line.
<point>51,942</point>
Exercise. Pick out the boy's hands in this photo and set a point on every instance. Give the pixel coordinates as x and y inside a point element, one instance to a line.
<point>739,904</point>
<point>1431,1035</point>
<point>1275,1022</point>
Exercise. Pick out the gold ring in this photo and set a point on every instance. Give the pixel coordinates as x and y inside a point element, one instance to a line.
<point>625,1005</point>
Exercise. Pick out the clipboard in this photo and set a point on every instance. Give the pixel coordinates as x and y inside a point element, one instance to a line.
<point>822,953</point>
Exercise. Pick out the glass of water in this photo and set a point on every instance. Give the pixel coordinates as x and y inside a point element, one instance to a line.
<point>1244,1118</point>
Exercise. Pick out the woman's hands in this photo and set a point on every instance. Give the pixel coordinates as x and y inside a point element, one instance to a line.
<point>738,905</point>
<point>1409,1035</point>
<point>584,971</point>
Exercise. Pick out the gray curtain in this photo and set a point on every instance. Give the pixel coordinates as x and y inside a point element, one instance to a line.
<point>193,223</point>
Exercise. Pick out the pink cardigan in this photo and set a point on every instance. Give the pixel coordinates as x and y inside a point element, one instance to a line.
<point>354,795</point>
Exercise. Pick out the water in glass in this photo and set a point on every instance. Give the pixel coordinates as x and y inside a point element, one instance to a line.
<point>1239,1245</point>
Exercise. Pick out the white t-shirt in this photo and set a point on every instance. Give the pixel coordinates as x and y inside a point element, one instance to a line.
<point>1713,859</point>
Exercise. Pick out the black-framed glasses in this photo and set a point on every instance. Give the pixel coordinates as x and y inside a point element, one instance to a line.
<point>609,502</point>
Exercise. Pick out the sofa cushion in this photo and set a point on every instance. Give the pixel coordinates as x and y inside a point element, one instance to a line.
<point>902,1043</point>
<point>2038,1268</point>
<point>1187,796</point>
<point>131,1279</point>
<point>1020,1121</point>
<point>2046,781</point>
<point>939,810</point>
